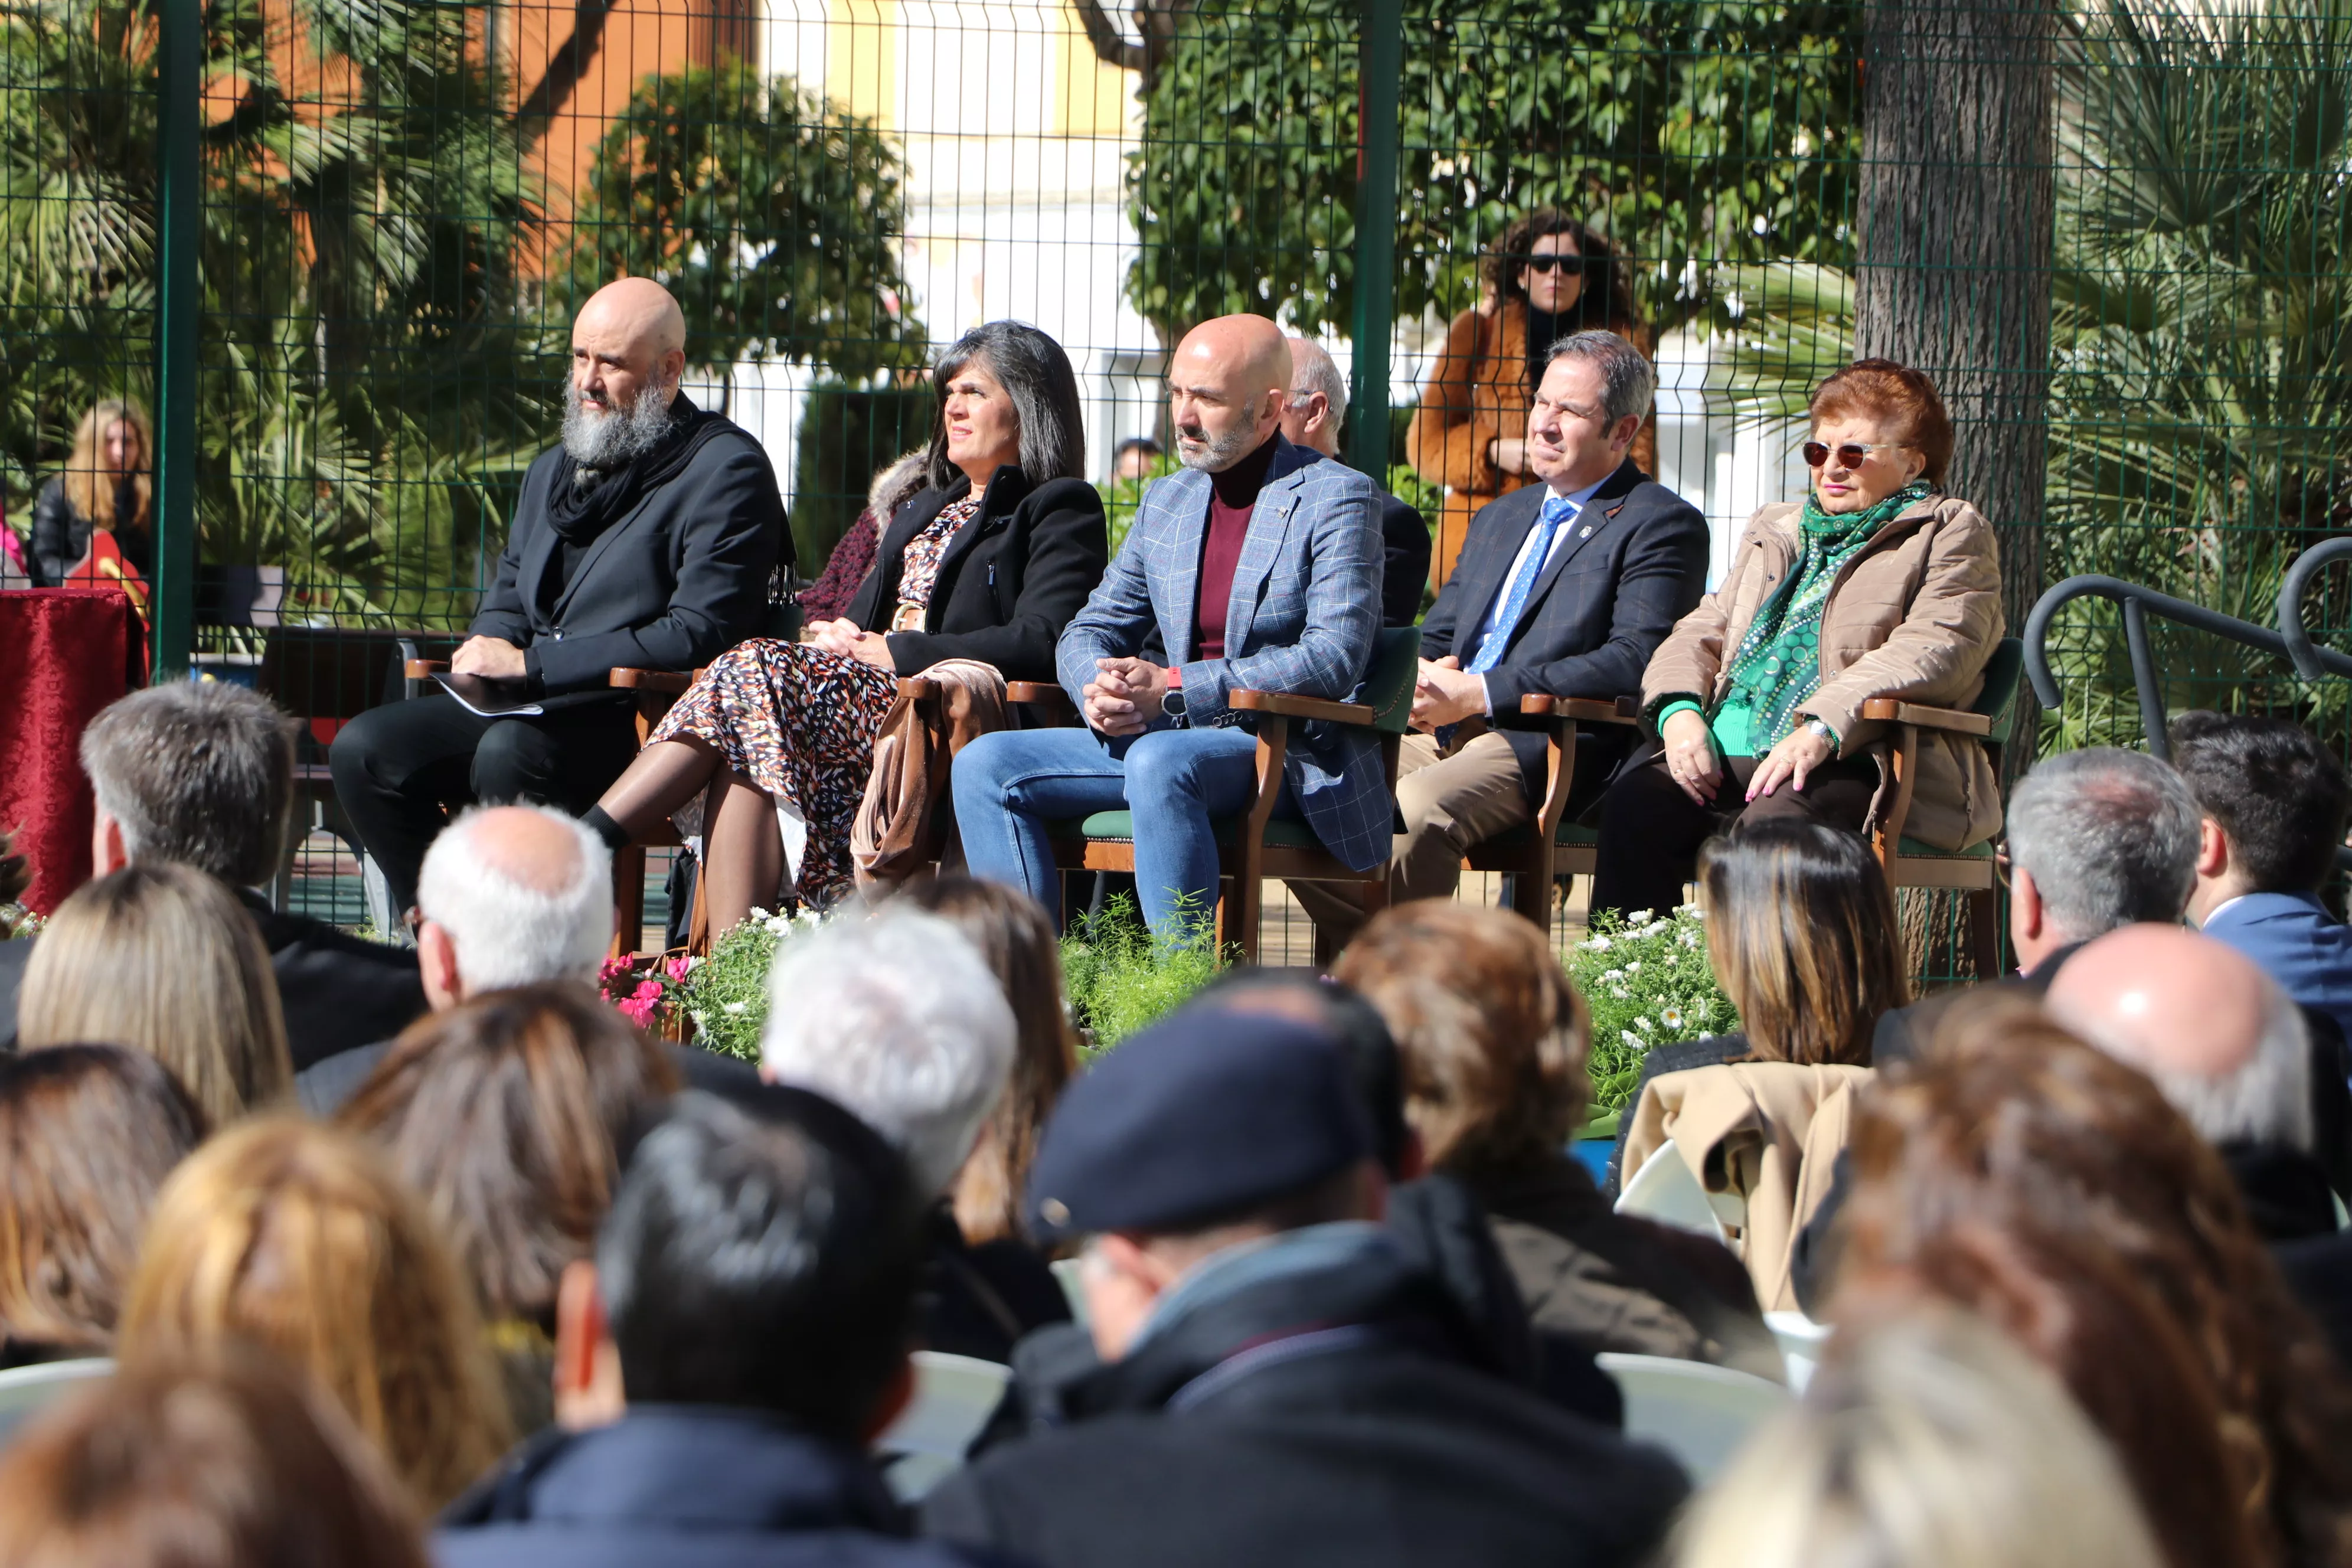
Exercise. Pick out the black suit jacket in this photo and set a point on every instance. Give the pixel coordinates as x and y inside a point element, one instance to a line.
<point>1010,580</point>
<point>1633,566</point>
<point>1404,556</point>
<point>679,581</point>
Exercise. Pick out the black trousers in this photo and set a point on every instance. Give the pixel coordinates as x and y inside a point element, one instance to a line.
<point>401,769</point>
<point>1651,831</point>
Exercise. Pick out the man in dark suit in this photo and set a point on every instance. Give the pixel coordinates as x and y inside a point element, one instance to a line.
<point>1312,416</point>
<point>203,773</point>
<point>1564,588</point>
<point>648,538</point>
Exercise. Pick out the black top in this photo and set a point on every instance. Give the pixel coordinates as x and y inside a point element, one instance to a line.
<point>1012,578</point>
<point>338,991</point>
<point>979,1301</point>
<point>61,535</point>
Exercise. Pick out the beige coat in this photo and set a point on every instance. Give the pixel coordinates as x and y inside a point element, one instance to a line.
<point>894,834</point>
<point>1914,616</point>
<point>1769,1132</point>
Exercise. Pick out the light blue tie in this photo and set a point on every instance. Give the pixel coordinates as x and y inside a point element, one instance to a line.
<point>1557,512</point>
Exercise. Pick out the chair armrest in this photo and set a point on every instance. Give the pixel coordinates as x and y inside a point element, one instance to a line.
<point>421,669</point>
<point>1292,705</point>
<point>1034,691</point>
<point>1583,710</point>
<point>916,688</point>
<point>1889,710</point>
<point>664,680</point>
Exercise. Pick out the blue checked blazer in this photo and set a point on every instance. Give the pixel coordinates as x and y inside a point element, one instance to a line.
<point>1305,606</point>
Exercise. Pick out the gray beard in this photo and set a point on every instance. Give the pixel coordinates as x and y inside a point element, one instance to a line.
<point>1225,450</point>
<point>607,441</point>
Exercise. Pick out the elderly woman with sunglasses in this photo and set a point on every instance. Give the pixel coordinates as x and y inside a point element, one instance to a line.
<point>1878,585</point>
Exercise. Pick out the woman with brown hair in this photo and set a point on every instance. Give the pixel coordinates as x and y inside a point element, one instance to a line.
<point>105,485</point>
<point>508,1115</point>
<point>227,1462</point>
<point>297,1238</point>
<point>164,960</point>
<point>1547,276</point>
<point>88,1135</point>
<point>1493,1041</point>
<point>2017,1172</point>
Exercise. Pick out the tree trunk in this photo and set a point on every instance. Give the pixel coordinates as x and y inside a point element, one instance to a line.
<point>1955,216</point>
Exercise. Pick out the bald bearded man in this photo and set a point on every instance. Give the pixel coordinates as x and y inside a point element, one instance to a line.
<point>649,539</point>
<point>1258,567</point>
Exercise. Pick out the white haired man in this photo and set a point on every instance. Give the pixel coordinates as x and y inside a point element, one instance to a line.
<point>1313,416</point>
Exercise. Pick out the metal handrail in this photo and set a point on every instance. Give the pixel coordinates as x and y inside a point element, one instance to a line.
<point>2139,603</point>
<point>2311,661</point>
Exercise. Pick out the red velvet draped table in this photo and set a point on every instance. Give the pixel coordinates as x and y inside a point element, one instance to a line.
<point>63,656</point>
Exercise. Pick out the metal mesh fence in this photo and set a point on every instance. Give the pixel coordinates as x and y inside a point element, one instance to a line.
<point>2114,232</point>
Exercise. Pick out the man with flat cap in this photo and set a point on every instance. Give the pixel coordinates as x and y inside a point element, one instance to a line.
<point>647,539</point>
<point>1275,1382</point>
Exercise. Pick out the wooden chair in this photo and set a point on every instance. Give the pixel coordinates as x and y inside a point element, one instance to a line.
<point>1909,862</point>
<point>1550,847</point>
<point>1255,845</point>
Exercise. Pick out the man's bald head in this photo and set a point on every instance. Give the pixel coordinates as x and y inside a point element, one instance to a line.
<point>1226,385</point>
<point>639,313</point>
<point>2217,1035</point>
<point>517,894</point>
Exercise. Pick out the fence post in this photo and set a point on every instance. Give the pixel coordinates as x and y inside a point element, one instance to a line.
<point>179,297</point>
<point>1381,64</point>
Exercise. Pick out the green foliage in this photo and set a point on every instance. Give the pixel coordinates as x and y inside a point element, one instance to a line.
<point>1692,133</point>
<point>1646,982</point>
<point>1122,978</point>
<point>1122,498</point>
<point>769,213</point>
<point>848,436</point>
<point>727,993</point>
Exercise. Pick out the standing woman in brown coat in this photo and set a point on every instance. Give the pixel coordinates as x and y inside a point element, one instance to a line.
<point>1877,584</point>
<point>1547,277</point>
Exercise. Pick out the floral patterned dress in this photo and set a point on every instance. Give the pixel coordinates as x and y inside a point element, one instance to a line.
<point>800,724</point>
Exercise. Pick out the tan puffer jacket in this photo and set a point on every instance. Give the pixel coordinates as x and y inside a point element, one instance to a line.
<point>1914,616</point>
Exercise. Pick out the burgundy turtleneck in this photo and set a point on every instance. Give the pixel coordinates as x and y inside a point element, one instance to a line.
<point>1233,495</point>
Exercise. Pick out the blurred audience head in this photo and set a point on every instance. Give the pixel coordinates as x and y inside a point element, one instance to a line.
<point>161,958</point>
<point>2274,802</point>
<point>899,1019</point>
<point>88,1133</point>
<point>508,1115</point>
<point>2098,839</point>
<point>1800,929</point>
<point>1341,1012</point>
<point>223,1461</point>
<point>512,895</point>
<point>1015,937</point>
<point>295,1238</point>
<point>2022,1175</point>
<point>1213,1128</point>
<point>200,772</point>
<point>1929,1442</point>
<point>1493,1037</point>
<point>2222,1041</point>
<point>763,1253</point>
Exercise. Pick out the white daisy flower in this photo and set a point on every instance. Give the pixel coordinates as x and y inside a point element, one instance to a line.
<point>1640,917</point>
<point>1633,1039</point>
<point>1672,1017</point>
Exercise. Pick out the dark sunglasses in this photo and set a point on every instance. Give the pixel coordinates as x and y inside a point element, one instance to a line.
<point>1571,265</point>
<point>1851,455</point>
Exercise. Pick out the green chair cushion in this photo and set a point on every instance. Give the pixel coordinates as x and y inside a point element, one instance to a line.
<point>1912,850</point>
<point>1118,827</point>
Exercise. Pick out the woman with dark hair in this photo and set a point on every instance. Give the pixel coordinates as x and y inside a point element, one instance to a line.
<point>87,1135</point>
<point>1802,935</point>
<point>2055,1192</point>
<point>508,1116</point>
<point>767,754</point>
<point>1877,584</point>
<point>1547,276</point>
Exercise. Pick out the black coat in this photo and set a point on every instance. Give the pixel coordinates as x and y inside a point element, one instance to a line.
<point>1635,564</point>
<point>679,581</point>
<point>1331,1419</point>
<point>61,537</point>
<point>684,1487</point>
<point>1012,578</point>
<point>979,1301</point>
<point>1404,561</point>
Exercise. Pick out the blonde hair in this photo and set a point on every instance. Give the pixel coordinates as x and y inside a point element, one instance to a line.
<point>161,959</point>
<point>86,480</point>
<point>296,1237</point>
<point>1929,1441</point>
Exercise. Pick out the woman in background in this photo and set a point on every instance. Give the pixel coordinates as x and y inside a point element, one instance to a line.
<point>105,485</point>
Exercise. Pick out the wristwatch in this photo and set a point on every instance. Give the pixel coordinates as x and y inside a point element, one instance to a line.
<point>1821,728</point>
<point>1171,705</point>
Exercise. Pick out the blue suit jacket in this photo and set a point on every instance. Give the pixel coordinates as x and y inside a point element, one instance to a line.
<point>1305,609</point>
<point>2298,943</point>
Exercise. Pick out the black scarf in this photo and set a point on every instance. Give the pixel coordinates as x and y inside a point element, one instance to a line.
<point>579,511</point>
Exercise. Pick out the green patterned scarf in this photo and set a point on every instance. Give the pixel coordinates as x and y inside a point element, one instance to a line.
<point>1777,664</point>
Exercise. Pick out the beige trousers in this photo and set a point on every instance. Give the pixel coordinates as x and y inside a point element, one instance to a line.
<point>1448,803</point>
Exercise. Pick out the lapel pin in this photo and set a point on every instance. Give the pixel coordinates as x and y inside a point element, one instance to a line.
<point>1585,532</point>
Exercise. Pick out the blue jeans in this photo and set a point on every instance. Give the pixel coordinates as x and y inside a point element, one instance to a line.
<point>1010,785</point>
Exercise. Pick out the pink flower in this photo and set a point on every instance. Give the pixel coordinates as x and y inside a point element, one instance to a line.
<point>638,1011</point>
<point>676,968</point>
<point>648,990</point>
<point>613,967</point>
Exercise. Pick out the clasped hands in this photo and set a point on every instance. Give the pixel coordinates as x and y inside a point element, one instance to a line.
<point>1443,695</point>
<point>850,641</point>
<point>1125,695</point>
<point>1692,761</point>
<point>493,659</point>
